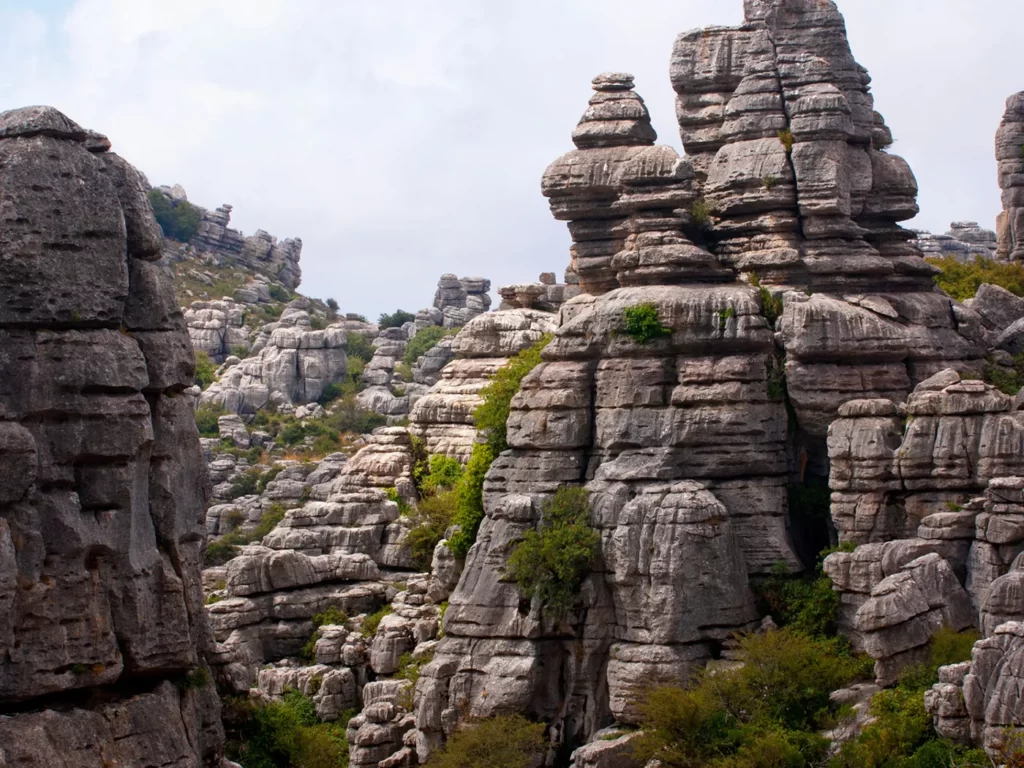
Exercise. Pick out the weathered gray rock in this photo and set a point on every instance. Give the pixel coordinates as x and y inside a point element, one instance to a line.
<point>104,485</point>
<point>443,417</point>
<point>1010,158</point>
<point>461,299</point>
<point>964,241</point>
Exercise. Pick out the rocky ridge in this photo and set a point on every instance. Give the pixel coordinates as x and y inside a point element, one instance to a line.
<point>102,629</point>
<point>1010,156</point>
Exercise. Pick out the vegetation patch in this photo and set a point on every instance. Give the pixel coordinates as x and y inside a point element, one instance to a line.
<point>206,369</point>
<point>396,319</point>
<point>178,221</point>
<point>961,280</point>
<point>226,547</point>
<point>284,734</point>
<point>371,622</point>
<point>786,137</point>
<point>206,419</point>
<point>551,562</point>
<point>765,713</point>
<point>700,214</point>
<point>434,514</point>
<point>510,741</point>
<point>642,323</point>
<point>902,735</point>
<point>1008,379</point>
<point>771,307</point>
<point>424,341</point>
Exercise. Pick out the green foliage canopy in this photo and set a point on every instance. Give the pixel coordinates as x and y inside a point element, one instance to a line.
<point>178,221</point>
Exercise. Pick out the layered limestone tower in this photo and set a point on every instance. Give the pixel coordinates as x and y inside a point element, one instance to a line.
<point>687,441</point>
<point>104,488</point>
<point>1010,156</point>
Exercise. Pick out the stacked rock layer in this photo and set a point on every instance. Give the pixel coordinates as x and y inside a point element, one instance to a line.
<point>1010,156</point>
<point>104,488</point>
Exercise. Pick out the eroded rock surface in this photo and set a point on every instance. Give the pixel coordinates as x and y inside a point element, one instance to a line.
<point>104,486</point>
<point>1010,156</point>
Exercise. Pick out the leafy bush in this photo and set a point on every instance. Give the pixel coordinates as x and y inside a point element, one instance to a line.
<point>901,736</point>
<point>371,622</point>
<point>643,323</point>
<point>396,319</point>
<point>245,485</point>
<point>510,741</point>
<point>279,293</point>
<point>333,616</point>
<point>438,472</point>
<point>285,734</point>
<point>349,416</point>
<point>424,341</point>
<point>357,346</point>
<point>206,419</point>
<point>490,416</point>
<point>393,495</point>
<point>330,393</point>
<point>550,563</point>
<point>240,351</point>
<point>226,547</point>
<point>431,518</point>
<point>332,305</point>
<point>764,713</point>
<point>206,369</point>
<point>267,477</point>
<point>961,280</point>
<point>771,307</point>
<point>1008,379</point>
<point>409,666</point>
<point>178,221</point>
<point>700,213</point>
<point>469,500</point>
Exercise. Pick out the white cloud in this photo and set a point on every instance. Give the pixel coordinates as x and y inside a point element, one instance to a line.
<point>403,139</point>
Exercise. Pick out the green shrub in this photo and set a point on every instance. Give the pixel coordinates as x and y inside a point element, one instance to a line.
<point>348,416</point>
<point>396,319</point>
<point>206,419</point>
<point>206,369</point>
<point>764,713</point>
<point>510,741</point>
<point>700,214</point>
<point>357,346</point>
<point>961,280</point>
<point>280,293</point>
<point>901,735</point>
<point>267,477</point>
<point>424,341</point>
<point>642,323</point>
<point>438,472</point>
<point>371,622</point>
<point>1008,379</point>
<point>178,221</point>
<point>469,500</point>
<point>409,666</point>
<point>197,678</point>
<point>492,414</point>
<point>226,547</point>
<point>393,495</point>
<point>771,307</point>
<point>330,393</point>
<point>241,351</point>
<point>285,734</point>
<point>332,616</point>
<point>430,520</point>
<point>245,485</point>
<point>332,305</point>
<point>551,562</point>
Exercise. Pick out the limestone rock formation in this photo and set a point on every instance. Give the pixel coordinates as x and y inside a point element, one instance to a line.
<point>964,241</point>
<point>104,487</point>
<point>461,299</point>
<point>545,295</point>
<point>1010,156</point>
<point>443,417</point>
<point>292,364</point>
<point>260,252</point>
<point>773,260</point>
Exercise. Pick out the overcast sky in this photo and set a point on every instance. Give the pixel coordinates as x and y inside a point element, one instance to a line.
<point>405,138</point>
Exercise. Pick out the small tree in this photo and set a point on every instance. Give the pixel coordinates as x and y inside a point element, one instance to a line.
<point>179,221</point>
<point>551,563</point>
<point>395,320</point>
<point>510,741</point>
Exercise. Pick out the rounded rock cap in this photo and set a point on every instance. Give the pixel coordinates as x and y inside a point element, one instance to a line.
<point>613,81</point>
<point>26,122</point>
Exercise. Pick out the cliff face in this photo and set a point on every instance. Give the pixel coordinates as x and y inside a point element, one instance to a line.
<point>773,257</point>
<point>104,487</point>
<point>1010,156</point>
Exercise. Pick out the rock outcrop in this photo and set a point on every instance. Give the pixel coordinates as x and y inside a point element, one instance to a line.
<point>774,262</point>
<point>461,299</point>
<point>1010,157</point>
<point>291,364</point>
<point>443,417</point>
<point>104,488</point>
<point>964,241</point>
